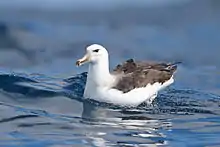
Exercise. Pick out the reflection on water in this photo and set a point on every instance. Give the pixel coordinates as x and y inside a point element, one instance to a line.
<point>172,120</point>
<point>124,129</point>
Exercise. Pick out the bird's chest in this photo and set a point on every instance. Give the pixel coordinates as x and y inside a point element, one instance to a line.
<point>95,89</point>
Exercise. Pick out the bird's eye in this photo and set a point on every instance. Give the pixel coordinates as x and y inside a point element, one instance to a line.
<point>96,50</point>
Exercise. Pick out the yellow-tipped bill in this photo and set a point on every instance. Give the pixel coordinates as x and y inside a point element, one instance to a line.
<point>82,60</point>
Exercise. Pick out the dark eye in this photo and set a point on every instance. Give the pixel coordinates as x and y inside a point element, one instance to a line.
<point>97,50</point>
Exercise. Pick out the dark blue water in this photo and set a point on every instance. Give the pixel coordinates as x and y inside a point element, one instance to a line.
<point>41,90</point>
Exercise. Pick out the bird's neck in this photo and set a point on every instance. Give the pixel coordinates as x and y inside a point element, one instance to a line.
<point>98,73</point>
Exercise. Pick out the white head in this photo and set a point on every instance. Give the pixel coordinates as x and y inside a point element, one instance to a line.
<point>95,53</point>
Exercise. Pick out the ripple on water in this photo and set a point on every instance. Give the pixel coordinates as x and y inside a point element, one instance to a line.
<point>46,116</point>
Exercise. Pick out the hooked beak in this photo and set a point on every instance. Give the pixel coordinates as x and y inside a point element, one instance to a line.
<point>82,60</point>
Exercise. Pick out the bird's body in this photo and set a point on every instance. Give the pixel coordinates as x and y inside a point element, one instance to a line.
<point>130,83</point>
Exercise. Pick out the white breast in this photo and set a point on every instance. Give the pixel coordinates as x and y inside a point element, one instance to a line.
<point>131,98</point>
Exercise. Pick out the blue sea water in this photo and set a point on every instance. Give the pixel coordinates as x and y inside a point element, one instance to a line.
<point>41,103</point>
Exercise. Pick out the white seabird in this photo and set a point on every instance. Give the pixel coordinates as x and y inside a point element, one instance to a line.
<point>130,84</point>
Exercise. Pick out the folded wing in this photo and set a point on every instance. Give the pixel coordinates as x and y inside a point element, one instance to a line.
<point>133,74</point>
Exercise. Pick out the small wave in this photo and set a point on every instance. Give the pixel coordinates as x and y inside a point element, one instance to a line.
<point>175,101</point>
<point>12,84</point>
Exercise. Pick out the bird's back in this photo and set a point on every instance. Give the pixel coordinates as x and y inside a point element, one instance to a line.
<point>139,74</point>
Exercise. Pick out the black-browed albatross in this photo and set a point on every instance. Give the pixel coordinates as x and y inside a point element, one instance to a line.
<point>130,84</point>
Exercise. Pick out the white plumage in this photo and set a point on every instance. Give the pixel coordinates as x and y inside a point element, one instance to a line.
<point>100,84</point>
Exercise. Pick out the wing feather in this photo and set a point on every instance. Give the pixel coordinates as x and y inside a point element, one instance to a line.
<point>139,74</point>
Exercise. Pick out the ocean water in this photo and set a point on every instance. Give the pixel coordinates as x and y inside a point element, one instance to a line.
<point>41,103</point>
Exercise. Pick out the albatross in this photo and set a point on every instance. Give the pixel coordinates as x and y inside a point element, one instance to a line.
<point>129,84</point>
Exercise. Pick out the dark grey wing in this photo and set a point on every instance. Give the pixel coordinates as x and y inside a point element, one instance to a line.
<point>139,74</point>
